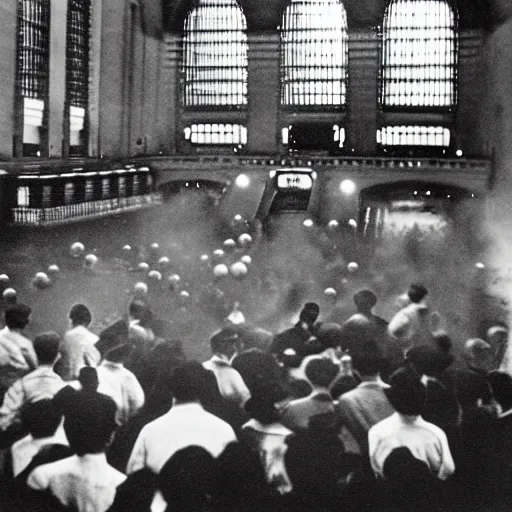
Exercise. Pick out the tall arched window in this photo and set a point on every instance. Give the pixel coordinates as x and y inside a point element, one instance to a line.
<point>419,55</point>
<point>77,71</point>
<point>215,55</point>
<point>33,61</point>
<point>314,54</point>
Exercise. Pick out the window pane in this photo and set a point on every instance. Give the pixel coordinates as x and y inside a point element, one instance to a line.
<point>215,55</point>
<point>33,48</point>
<point>77,52</point>
<point>419,57</point>
<point>225,134</point>
<point>23,196</point>
<point>314,53</point>
<point>433,136</point>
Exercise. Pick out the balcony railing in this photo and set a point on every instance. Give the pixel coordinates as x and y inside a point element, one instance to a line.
<point>82,211</point>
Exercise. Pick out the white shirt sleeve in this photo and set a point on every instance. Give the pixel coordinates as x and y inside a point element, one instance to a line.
<point>138,457</point>
<point>447,467</point>
<point>39,479</point>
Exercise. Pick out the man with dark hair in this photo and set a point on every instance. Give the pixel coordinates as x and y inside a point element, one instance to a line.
<point>367,404</point>
<point>17,355</point>
<point>296,337</point>
<point>224,345</point>
<point>77,349</point>
<point>186,424</point>
<point>42,421</point>
<point>407,428</point>
<point>410,325</point>
<point>320,372</point>
<point>84,481</point>
<point>363,327</point>
<point>120,383</point>
<point>42,383</point>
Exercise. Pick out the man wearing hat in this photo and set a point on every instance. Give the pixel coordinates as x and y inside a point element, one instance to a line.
<point>224,345</point>
<point>296,337</point>
<point>406,428</point>
<point>410,325</point>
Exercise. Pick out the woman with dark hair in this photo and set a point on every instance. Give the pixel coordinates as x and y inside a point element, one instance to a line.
<point>265,435</point>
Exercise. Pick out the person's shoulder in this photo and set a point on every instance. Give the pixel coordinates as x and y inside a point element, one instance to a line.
<point>58,467</point>
<point>431,428</point>
<point>383,427</point>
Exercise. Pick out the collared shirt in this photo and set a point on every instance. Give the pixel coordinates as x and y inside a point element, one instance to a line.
<point>425,441</point>
<point>184,425</point>
<point>123,387</point>
<point>230,382</point>
<point>85,482</point>
<point>16,350</point>
<point>42,383</point>
<point>410,325</point>
<point>24,449</point>
<point>363,407</point>
<point>77,350</point>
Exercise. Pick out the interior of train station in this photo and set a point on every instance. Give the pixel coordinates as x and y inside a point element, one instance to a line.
<point>224,163</point>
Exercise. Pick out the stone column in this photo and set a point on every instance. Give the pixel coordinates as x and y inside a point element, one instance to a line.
<point>263,91</point>
<point>169,93</point>
<point>57,85</point>
<point>8,40</point>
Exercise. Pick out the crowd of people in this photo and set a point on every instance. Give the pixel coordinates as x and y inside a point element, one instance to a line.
<point>337,412</point>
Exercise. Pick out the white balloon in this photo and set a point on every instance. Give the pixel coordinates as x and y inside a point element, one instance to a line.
<point>140,288</point>
<point>330,292</point>
<point>220,270</point>
<point>244,239</point>
<point>238,270</point>
<point>9,293</point>
<point>77,249</point>
<point>246,259</point>
<point>352,266</point>
<point>155,275</point>
<point>91,260</point>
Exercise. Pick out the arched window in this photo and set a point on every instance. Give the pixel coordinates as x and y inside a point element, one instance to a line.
<point>33,61</point>
<point>77,70</point>
<point>419,55</point>
<point>314,54</point>
<point>215,55</point>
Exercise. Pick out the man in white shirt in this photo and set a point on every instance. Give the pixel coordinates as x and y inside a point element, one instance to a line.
<point>224,345</point>
<point>43,422</point>
<point>406,428</point>
<point>17,355</point>
<point>410,326</point>
<point>84,482</point>
<point>42,383</point>
<point>77,349</point>
<point>186,424</point>
<point>120,383</point>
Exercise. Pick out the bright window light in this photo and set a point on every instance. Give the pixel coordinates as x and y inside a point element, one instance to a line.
<point>419,54</point>
<point>314,53</point>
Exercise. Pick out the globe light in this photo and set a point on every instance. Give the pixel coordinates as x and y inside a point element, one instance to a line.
<point>347,187</point>
<point>242,181</point>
